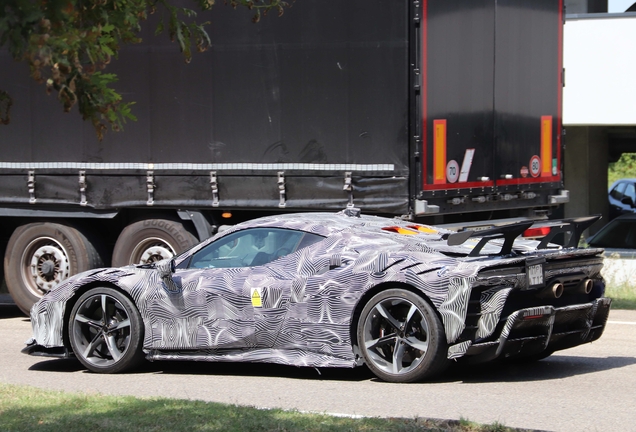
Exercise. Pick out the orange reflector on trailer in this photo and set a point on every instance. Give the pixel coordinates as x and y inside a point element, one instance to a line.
<point>546,146</point>
<point>537,232</point>
<point>399,230</point>
<point>439,151</point>
<point>226,215</point>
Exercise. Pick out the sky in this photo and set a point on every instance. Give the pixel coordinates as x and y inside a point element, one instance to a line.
<point>619,5</point>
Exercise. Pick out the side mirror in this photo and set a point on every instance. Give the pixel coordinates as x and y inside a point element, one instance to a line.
<point>627,201</point>
<point>166,268</point>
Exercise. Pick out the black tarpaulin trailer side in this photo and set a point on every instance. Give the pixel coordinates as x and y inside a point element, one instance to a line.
<point>327,85</point>
<point>455,103</point>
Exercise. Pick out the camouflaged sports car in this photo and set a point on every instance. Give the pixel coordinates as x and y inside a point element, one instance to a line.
<point>335,290</point>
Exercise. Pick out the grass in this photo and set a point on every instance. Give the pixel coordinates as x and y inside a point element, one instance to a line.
<point>30,409</point>
<point>623,296</point>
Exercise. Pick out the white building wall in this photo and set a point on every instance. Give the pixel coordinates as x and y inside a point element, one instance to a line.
<point>599,57</point>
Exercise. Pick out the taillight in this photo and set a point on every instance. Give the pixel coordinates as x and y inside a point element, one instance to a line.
<point>424,229</point>
<point>399,230</point>
<point>537,232</point>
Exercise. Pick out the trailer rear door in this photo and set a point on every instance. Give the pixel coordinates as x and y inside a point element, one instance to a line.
<point>490,103</point>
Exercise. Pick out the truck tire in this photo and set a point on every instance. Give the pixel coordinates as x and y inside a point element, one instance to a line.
<point>151,240</point>
<point>41,255</point>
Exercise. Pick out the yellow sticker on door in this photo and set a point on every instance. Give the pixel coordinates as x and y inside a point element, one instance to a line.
<point>256,297</point>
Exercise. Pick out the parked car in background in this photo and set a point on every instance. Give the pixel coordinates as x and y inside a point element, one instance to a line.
<point>622,198</point>
<point>618,238</point>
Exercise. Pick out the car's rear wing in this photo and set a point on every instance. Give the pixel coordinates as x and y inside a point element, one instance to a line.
<point>571,228</point>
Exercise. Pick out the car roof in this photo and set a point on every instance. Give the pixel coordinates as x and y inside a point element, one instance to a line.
<point>327,224</point>
<point>632,180</point>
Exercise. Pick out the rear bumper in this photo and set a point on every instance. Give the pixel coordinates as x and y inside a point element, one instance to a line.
<point>532,331</point>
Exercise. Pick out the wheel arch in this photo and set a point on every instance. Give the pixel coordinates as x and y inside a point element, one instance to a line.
<point>70,304</point>
<point>372,292</point>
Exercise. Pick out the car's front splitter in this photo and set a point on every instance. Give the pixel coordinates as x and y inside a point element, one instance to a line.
<point>32,348</point>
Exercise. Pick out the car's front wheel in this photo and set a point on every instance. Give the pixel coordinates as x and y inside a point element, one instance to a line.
<point>401,337</point>
<point>106,331</point>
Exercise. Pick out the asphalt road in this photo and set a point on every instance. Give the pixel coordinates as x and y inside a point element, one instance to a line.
<point>588,388</point>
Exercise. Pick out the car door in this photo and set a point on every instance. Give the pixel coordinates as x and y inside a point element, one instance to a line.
<point>235,292</point>
<point>323,293</point>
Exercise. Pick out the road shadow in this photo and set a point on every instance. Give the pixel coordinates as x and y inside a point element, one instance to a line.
<point>58,365</point>
<point>220,368</point>
<point>552,368</point>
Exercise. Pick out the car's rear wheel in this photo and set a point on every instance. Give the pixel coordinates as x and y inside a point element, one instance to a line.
<point>106,331</point>
<point>401,337</point>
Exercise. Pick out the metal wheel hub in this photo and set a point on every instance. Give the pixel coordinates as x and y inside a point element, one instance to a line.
<point>396,336</point>
<point>45,265</point>
<point>101,330</point>
<point>152,250</point>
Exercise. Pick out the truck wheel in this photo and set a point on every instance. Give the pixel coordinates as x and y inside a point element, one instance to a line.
<point>151,240</point>
<point>106,331</point>
<point>401,338</point>
<point>41,255</point>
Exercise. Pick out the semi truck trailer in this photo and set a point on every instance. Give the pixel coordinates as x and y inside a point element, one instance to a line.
<point>429,110</point>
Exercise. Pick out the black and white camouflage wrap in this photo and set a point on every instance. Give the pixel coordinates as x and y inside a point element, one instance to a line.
<point>308,298</point>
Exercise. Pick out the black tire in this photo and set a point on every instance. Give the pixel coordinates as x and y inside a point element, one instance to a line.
<point>401,338</point>
<point>106,331</point>
<point>151,240</point>
<point>41,255</point>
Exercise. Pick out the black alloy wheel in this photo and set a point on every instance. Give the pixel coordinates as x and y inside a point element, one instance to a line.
<point>106,331</point>
<point>401,337</point>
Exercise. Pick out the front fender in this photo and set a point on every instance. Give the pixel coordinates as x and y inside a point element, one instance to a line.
<point>47,315</point>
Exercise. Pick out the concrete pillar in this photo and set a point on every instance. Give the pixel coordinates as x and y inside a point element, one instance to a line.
<point>585,172</point>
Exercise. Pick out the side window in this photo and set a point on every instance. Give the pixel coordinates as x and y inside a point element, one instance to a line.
<point>617,192</point>
<point>630,192</point>
<point>251,247</point>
